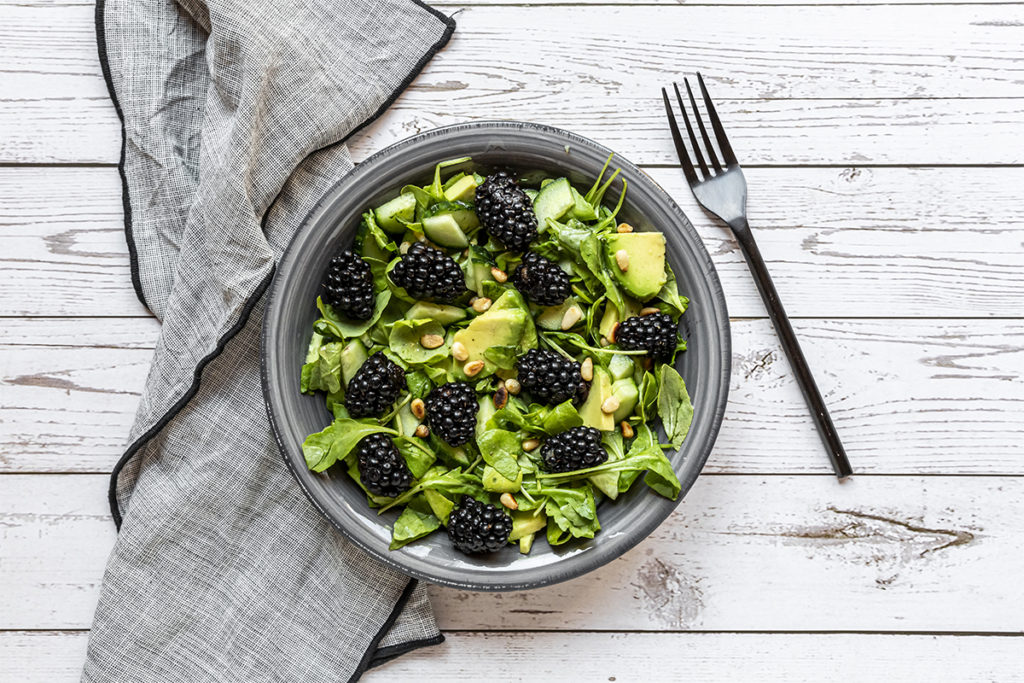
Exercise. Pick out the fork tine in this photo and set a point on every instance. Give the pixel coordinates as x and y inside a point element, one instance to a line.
<point>689,130</point>
<point>677,138</point>
<point>723,141</point>
<point>703,131</point>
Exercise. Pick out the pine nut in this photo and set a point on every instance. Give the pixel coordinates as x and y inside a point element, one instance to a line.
<point>604,341</point>
<point>587,369</point>
<point>459,351</point>
<point>513,386</point>
<point>624,228</point>
<point>481,304</point>
<point>403,248</point>
<point>622,259</point>
<point>571,316</point>
<point>499,275</point>
<point>473,368</point>
<point>500,397</point>
<point>627,430</point>
<point>610,405</point>
<point>431,341</point>
<point>649,310</point>
<point>419,408</point>
<point>614,332</point>
<point>423,431</point>
<point>530,445</point>
<point>508,501</point>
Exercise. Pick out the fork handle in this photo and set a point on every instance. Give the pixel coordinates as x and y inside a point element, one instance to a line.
<point>827,430</point>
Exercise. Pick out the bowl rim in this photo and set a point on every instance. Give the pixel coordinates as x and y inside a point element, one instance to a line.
<point>700,456</point>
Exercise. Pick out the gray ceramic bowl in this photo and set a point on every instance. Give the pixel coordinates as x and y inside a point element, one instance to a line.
<point>290,314</point>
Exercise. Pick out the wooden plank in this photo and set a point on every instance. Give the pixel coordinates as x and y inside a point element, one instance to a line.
<point>598,73</point>
<point>909,396</point>
<point>741,553</point>
<point>839,242</point>
<point>57,657</point>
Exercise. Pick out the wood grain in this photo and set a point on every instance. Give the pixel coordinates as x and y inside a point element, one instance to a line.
<point>741,553</point>
<point>908,396</point>
<point>891,96</point>
<point>57,656</point>
<point>940,242</point>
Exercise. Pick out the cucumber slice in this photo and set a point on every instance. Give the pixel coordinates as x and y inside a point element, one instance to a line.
<point>352,358</point>
<point>446,315</point>
<point>443,229</point>
<point>554,200</point>
<point>390,214</point>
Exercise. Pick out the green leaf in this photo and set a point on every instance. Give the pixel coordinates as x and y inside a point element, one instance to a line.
<point>322,371</point>
<point>451,481</point>
<point>573,510</point>
<point>436,189</point>
<point>560,418</point>
<point>336,441</point>
<point>333,325</point>
<point>674,406</point>
<point>648,402</point>
<point>608,482</point>
<point>418,460</point>
<point>413,524</point>
<point>593,256</point>
<point>504,357</point>
<point>404,341</point>
<point>670,295</point>
<point>500,449</point>
<point>419,383</point>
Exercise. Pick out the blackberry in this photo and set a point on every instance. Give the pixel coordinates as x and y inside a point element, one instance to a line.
<point>573,449</point>
<point>375,387</point>
<point>476,527</point>
<point>654,333</point>
<point>551,378</point>
<point>348,286</point>
<point>429,273</point>
<point>542,281</point>
<point>382,468</point>
<point>451,412</point>
<point>506,212</point>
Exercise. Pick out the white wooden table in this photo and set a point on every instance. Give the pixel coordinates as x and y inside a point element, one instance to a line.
<point>884,151</point>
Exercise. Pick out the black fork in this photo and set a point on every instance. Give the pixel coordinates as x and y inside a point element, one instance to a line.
<point>722,190</point>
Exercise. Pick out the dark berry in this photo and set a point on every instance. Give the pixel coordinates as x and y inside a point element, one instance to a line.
<point>551,378</point>
<point>348,286</point>
<point>429,273</point>
<point>476,527</point>
<point>375,387</point>
<point>451,412</point>
<point>573,449</point>
<point>506,212</point>
<point>382,469</point>
<point>654,333</point>
<point>542,281</point>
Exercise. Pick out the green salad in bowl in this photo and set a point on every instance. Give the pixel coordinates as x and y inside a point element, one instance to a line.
<point>497,352</point>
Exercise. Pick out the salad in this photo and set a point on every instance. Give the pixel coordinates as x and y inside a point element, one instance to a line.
<point>497,351</point>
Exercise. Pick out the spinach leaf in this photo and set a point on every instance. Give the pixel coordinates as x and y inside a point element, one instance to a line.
<point>674,406</point>
<point>500,449</point>
<point>324,448</point>
<point>560,418</point>
<point>322,370</point>
<point>648,396</point>
<point>418,460</point>
<point>504,357</point>
<point>419,383</point>
<point>415,522</point>
<point>405,337</point>
<point>440,480</point>
<point>608,483</point>
<point>333,325</point>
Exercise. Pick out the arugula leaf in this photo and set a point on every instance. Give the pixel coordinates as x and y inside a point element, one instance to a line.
<point>608,482</point>
<point>573,510</point>
<point>500,449</point>
<point>418,460</point>
<point>644,443</point>
<point>670,295</point>
<point>593,256</point>
<point>648,396</point>
<point>333,325</point>
<point>674,406</point>
<point>440,480</point>
<point>405,337</point>
<point>415,522</point>
<point>324,448</point>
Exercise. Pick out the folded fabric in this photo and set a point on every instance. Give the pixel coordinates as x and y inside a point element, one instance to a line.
<point>234,116</point>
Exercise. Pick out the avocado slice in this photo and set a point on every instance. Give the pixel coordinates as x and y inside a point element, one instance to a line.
<point>645,274</point>
<point>463,189</point>
<point>612,316</point>
<point>494,481</point>
<point>526,523</point>
<point>352,358</point>
<point>503,327</point>
<point>444,230</point>
<point>553,200</point>
<point>525,543</point>
<point>550,317</point>
<point>590,411</point>
<point>390,214</point>
<point>446,315</point>
<point>627,392</point>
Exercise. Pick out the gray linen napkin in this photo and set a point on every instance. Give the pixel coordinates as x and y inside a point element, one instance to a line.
<point>234,115</point>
